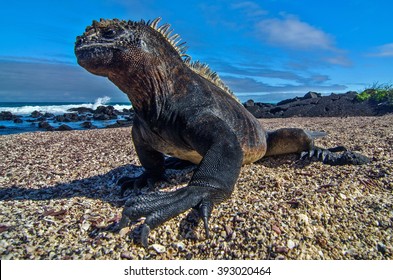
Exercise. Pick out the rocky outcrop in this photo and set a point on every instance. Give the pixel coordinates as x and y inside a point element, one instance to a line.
<point>121,123</point>
<point>70,117</point>
<point>103,113</point>
<point>315,105</point>
<point>81,110</point>
<point>88,125</point>
<point>6,116</point>
<point>45,125</point>
<point>63,127</point>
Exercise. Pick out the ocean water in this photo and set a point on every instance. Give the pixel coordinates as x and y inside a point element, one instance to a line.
<point>57,108</point>
<point>24,110</point>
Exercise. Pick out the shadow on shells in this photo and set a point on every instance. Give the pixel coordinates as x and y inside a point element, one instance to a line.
<point>103,187</point>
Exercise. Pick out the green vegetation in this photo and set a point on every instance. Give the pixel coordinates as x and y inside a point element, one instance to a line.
<point>381,93</point>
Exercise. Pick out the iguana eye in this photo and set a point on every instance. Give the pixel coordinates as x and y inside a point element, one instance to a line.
<point>108,33</point>
<point>143,46</point>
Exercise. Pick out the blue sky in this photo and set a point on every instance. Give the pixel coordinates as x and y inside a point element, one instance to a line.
<point>273,48</point>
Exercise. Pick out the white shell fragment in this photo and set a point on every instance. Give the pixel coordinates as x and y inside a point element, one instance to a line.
<point>290,244</point>
<point>159,248</point>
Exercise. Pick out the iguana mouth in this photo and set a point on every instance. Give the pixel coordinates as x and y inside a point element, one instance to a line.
<point>97,50</point>
<point>94,53</point>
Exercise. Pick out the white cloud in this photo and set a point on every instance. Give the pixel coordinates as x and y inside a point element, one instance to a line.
<point>292,33</point>
<point>247,85</point>
<point>251,9</point>
<point>384,51</point>
<point>340,60</point>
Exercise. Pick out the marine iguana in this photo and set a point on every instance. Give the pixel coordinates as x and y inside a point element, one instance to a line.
<point>183,109</point>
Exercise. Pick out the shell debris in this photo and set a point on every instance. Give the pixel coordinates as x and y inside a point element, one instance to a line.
<point>58,192</point>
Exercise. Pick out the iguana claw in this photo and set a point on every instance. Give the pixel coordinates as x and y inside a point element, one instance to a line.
<point>330,156</point>
<point>145,235</point>
<point>204,211</point>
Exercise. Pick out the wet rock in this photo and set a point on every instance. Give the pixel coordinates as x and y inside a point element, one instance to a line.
<point>101,117</point>
<point>69,117</point>
<point>81,110</point>
<point>60,118</point>
<point>88,125</point>
<point>48,115</point>
<point>36,114</point>
<point>64,127</point>
<point>120,123</point>
<point>6,116</point>
<point>128,111</point>
<point>105,113</point>
<point>45,125</point>
<point>18,120</point>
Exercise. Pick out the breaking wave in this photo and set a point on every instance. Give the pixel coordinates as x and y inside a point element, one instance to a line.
<point>57,108</point>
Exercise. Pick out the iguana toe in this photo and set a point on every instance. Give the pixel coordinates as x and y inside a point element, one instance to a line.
<point>159,207</point>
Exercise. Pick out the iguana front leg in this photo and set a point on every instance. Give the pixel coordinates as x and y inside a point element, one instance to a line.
<point>152,161</point>
<point>213,180</point>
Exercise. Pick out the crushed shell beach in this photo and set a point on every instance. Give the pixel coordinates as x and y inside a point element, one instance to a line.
<point>58,190</point>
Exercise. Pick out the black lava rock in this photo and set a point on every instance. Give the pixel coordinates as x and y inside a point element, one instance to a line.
<point>81,110</point>
<point>6,116</point>
<point>36,114</point>
<point>315,105</point>
<point>120,123</point>
<point>45,125</point>
<point>88,125</point>
<point>63,127</point>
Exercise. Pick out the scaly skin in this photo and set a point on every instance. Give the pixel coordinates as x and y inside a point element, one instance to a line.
<point>182,111</point>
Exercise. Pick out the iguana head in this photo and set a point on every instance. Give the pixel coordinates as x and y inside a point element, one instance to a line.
<point>109,46</point>
<point>135,55</point>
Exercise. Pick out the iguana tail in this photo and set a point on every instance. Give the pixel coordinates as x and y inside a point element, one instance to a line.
<point>290,140</point>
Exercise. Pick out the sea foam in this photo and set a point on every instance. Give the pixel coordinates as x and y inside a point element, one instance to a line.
<point>59,109</point>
